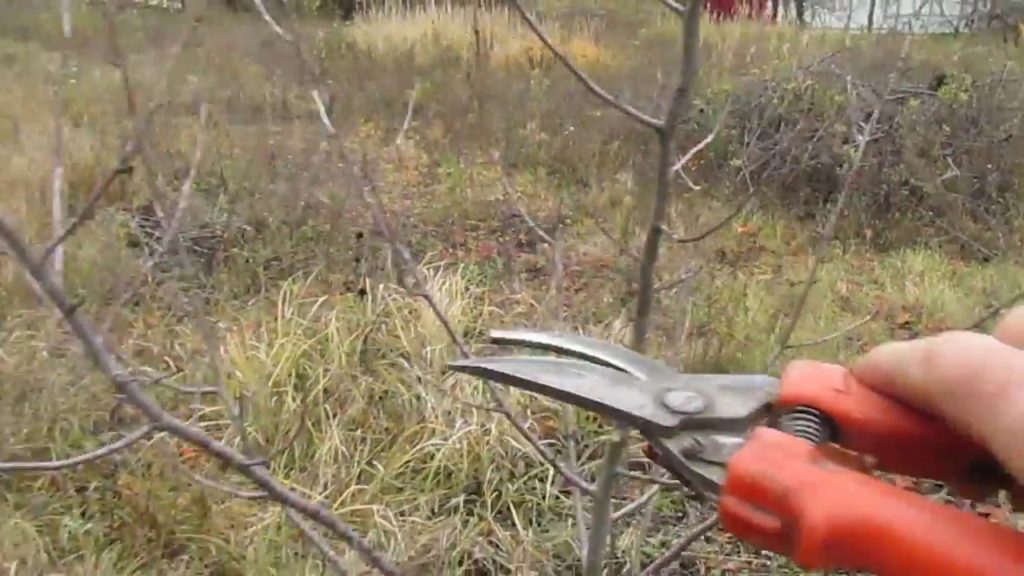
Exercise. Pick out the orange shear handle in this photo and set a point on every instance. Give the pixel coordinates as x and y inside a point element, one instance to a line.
<point>898,438</point>
<point>785,495</point>
<point>789,496</point>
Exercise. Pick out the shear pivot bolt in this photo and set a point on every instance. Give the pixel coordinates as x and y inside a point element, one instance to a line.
<point>683,402</point>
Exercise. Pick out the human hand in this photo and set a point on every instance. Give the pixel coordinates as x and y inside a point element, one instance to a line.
<point>975,382</point>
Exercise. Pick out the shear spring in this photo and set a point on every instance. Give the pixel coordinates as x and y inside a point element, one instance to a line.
<point>807,424</point>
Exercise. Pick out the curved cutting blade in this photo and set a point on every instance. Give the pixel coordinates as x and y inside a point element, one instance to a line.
<point>585,348</point>
<point>603,390</point>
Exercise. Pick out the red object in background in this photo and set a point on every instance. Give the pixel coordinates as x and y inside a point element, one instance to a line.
<point>732,9</point>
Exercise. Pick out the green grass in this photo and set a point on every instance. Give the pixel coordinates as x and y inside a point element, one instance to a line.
<point>343,371</point>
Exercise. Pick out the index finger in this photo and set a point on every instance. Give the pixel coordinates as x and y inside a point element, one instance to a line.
<point>973,381</point>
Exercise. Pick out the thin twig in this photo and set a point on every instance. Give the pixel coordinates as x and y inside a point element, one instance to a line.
<point>117,55</point>
<point>322,112</point>
<point>334,561</point>
<point>622,246</point>
<point>106,362</point>
<point>636,505</point>
<point>674,7</point>
<point>273,23</point>
<point>996,311</point>
<point>740,209</point>
<point>585,80</point>
<point>650,479</point>
<point>601,517</point>
<point>833,335</point>
<point>568,410</point>
<point>685,158</point>
<point>641,531</point>
<point>679,547</point>
<point>828,232</point>
<point>408,115</point>
<point>682,279</point>
<point>106,450</point>
<point>188,389</point>
<point>171,229</point>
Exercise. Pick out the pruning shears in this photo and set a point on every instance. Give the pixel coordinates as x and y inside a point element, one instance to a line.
<point>788,460</point>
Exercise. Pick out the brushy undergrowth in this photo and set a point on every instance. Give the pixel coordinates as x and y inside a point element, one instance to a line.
<point>343,370</point>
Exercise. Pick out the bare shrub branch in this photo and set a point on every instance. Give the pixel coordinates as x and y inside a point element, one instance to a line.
<point>685,158</point>
<point>863,137</point>
<point>117,55</point>
<point>171,228</point>
<point>110,367</point>
<point>127,441</point>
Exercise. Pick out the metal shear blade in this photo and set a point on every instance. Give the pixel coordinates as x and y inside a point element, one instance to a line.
<point>585,348</point>
<point>596,388</point>
<point>625,385</point>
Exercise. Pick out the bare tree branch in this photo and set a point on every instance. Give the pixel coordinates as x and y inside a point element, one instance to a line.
<point>106,450</point>
<point>59,180</point>
<point>589,84</point>
<point>601,521</point>
<point>681,546</point>
<point>162,420</point>
<point>273,23</point>
<point>677,110</point>
<point>685,158</point>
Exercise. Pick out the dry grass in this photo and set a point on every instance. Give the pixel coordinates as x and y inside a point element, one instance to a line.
<point>342,369</point>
